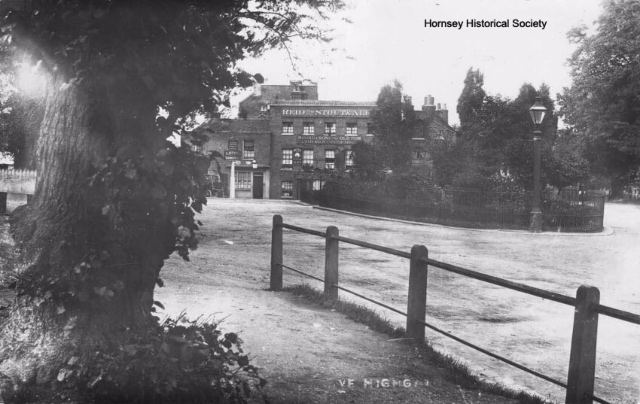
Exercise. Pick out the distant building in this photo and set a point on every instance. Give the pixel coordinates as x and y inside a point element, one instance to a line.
<point>286,140</point>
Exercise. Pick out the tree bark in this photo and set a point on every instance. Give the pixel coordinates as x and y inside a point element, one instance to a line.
<point>91,243</point>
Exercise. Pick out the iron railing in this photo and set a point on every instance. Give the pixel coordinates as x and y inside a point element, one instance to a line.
<point>566,211</point>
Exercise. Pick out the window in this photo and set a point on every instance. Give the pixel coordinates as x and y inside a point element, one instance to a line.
<point>287,128</point>
<point>418,157</point>
<point>307,128</point>
<point>307,157</point>
<point>348,159</point>
<point>318,185</point>
<point>330,128</point>
<point>196,148</point>
<point>287,189</point>
<point>287,159</point>
<point>369,128</point>
<point>248,150</point>
<point>243,180</point>
<point>264,108</point>
<point>352,128</point>
<point>330,159</point>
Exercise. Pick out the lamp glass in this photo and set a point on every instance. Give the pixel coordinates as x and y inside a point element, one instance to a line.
<point>537,111</point>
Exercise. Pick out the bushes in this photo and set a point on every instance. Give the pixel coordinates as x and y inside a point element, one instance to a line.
<point>181,361</point>
<point>477,201</point>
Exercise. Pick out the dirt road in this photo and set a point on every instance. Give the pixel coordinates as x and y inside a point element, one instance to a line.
<point>532,331</point>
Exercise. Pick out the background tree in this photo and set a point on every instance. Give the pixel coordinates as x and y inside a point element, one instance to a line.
<point>20,117</point>
<point>517,149</point>
<point>497,132</point>
<point>113,198</point>
<point>393,122</point>
<point>20,120</point>
<point>471,100</point>
<point>366,160</point>
<point>453,161</point>
<point>603,102</point>
<point>566,163</point>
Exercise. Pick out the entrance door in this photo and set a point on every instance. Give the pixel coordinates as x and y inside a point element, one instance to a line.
<point>258,186</point>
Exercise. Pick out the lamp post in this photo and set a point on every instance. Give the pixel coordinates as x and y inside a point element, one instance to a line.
<point>537,112</point>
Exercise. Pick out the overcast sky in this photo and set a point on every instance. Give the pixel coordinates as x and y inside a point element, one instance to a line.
<point>388,40</point>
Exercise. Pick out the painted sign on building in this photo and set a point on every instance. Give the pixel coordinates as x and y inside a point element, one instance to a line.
<point>232,154</point>
<point>233,145</point>
<point>328,139</point>
<point>325,112</point>
<point>297,157</point>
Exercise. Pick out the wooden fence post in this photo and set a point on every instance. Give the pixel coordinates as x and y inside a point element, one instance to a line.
<point>417,301</point>
<point>331,263</point>
<point>276,254</point>
<point>582,363</point>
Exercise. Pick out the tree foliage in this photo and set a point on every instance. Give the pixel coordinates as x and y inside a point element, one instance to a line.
<point>113,198</point>
<point>393,122</point>
<point>20,119</point>
<point>603,102</point>
<point>472,98</point>
<point>496,139</point>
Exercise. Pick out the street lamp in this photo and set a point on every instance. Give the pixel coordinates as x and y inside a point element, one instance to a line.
<point>537,112</point>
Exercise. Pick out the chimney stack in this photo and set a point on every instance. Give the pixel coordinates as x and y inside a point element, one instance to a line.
<point>428,107</point>
<point>428,100</point>
<point>443,113</point>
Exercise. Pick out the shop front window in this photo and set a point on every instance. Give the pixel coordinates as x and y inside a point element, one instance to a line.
<point>287,189</point>
<point>243,180</point>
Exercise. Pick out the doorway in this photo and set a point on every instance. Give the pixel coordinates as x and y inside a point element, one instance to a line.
<point>258,185</point>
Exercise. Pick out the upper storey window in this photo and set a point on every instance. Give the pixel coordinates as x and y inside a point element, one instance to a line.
<point>330,128</point>
<point>352,128</point>
<point>307,128</point>
<point>287,128</point>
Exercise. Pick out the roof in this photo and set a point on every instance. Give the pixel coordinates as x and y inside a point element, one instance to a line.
<point>236,125</point>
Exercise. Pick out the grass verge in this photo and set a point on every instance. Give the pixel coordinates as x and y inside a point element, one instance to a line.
<point>373,320</point>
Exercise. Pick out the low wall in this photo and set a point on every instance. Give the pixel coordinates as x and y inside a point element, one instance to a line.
<point>16,188</point>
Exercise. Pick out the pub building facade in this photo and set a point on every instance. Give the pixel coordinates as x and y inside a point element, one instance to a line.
<point>287,141</point>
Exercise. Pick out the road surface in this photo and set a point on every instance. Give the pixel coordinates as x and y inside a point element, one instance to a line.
<point>525,329</point>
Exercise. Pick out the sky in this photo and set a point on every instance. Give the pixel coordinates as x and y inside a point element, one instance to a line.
<point>387,40</point>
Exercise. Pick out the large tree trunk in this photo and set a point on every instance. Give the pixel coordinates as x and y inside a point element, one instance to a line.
<point>90,243</point>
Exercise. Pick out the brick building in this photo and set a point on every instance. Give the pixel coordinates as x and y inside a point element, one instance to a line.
<point>287,141</point>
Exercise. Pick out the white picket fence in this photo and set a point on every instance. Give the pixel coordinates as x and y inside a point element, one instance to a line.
<point>17,175</point>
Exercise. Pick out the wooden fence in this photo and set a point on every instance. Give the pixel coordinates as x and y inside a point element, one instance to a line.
<point>582,361</point>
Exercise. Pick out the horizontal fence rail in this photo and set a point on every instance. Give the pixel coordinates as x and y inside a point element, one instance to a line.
<point>581,375</point>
